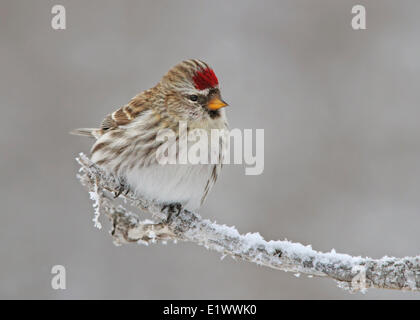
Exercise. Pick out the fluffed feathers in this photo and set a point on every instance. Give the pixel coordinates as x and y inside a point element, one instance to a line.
<point>126,140</point>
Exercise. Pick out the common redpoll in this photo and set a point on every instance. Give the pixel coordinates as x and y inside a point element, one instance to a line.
<point>126,142</point>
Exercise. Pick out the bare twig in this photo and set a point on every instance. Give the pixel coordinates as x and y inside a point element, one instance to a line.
<point>352,273</point>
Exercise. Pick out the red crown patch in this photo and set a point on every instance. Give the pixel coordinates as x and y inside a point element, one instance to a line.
<point>205,79</point>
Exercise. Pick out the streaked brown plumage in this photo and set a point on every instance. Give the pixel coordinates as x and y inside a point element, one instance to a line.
<point>126,141</point>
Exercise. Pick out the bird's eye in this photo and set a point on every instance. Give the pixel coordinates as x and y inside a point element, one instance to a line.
<point>193,97</point>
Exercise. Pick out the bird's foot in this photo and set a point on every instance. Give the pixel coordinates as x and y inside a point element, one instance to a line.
<point>123,187</point>
<point>172,210</point>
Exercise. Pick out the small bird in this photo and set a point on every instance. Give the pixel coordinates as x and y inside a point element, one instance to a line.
<point>126,141</point>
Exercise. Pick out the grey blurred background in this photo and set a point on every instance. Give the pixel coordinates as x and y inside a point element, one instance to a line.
<point>341,114</point>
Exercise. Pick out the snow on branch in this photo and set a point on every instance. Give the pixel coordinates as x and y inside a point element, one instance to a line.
<point>352,273</point>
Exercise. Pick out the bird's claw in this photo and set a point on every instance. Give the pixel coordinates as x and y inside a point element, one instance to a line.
<point>122,188</point>
<point>173,210</point>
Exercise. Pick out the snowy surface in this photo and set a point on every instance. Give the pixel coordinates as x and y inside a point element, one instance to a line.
<point>352,273</point>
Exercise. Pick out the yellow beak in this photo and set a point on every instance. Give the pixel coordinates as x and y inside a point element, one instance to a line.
<point>216,103</point>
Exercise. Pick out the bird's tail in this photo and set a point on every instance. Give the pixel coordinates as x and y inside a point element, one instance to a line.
<point>87,132</point>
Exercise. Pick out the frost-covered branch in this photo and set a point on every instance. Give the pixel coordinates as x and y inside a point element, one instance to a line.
<point>353,273</point>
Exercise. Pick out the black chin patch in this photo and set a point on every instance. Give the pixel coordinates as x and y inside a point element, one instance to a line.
<point>213,113</point>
